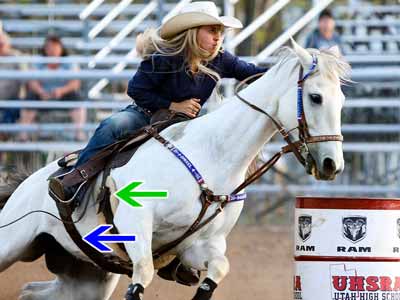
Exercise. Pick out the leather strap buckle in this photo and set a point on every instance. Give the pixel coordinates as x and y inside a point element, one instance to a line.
<point>84,174</point>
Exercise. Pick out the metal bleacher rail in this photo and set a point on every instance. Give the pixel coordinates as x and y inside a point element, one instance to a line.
<point>368,67</point>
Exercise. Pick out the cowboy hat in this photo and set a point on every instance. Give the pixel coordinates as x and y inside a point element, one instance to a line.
<point>193,15</point>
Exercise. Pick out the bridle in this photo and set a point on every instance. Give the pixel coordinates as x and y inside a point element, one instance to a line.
<point>300,147</point>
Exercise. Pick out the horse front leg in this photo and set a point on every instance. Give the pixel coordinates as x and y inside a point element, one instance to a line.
<point>143,272</point>
<point>139,252</point>
<point>218,268</point>
<point>208,255</point>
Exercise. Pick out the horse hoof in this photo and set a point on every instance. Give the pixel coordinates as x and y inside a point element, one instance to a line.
<point>205,290</point>
<point>135,292</point>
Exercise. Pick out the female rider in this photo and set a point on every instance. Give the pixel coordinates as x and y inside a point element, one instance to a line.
<point>182,63</point>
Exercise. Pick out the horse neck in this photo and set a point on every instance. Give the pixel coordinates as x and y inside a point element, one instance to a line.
<point>238,132</point>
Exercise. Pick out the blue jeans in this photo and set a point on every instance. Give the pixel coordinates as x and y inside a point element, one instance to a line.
<point>114,128</point>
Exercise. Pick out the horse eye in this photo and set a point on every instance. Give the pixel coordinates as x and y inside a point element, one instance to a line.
<point>316,98</point>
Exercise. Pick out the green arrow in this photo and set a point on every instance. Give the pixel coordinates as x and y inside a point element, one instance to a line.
<point>127,193</point>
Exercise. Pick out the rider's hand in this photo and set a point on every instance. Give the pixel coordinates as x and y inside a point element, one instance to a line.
<point>190,107</point>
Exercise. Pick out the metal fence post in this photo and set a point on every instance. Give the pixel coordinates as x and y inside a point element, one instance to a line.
<point>229,10</point>
<point>160,11</point>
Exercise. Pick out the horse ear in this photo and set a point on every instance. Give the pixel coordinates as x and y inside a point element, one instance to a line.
<point>303,55</point>
<point>335,50</point>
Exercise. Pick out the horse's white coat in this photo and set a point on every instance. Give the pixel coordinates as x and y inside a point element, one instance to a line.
<point>220,144</point>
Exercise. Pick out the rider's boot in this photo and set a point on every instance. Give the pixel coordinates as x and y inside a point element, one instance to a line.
<point>71,195</point>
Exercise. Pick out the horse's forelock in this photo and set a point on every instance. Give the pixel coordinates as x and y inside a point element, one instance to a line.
<point>333,66</point>
<point>329,64</point>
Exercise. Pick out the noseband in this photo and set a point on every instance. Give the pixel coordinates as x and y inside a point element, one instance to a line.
<point>300,147</point>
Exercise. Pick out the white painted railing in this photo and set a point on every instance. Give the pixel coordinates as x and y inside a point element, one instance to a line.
<point>257,23</point>
<point>90,9</point>
<point>130,27</point>
<point>112,103</point>
<point>115,12</point>
<point>371,74</point>
<point>296,27</point>
<point>368,59</point>
<point>273,147</point>
<point>233,42</point>
<point>95,91</point>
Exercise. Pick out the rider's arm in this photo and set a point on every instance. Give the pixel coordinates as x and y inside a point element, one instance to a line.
<point>233,67</point>
<point>144,87</point>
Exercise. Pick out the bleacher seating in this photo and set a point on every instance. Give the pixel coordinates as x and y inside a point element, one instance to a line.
<point>74,44</point>
<point>29,24</point>
<point>369,28</point>
<point>71,10</point>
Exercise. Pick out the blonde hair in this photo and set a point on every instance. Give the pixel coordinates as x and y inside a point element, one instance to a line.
<point>184,43</point>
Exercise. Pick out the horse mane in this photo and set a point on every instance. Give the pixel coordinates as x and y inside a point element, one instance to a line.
<point>10,178</point>
<point>329,64</point>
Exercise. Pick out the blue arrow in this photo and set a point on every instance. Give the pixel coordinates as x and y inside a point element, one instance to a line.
<point>95,238</point>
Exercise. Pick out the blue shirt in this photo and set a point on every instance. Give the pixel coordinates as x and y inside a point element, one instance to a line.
<point>317,41</point>
<point>50,85</point>
<point>161,80</point>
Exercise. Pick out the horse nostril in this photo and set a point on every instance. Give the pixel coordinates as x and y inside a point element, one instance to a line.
<point>329,166</point>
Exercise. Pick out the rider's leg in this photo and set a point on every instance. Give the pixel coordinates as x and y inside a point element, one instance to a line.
<point>110,130</point>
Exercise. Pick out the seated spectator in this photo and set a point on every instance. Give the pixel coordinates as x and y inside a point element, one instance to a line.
<point>324,36</point>
<point>9,89</point>
<point>55,89</point>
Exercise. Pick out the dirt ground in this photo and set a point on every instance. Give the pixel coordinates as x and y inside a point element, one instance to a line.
<point>261,269</point>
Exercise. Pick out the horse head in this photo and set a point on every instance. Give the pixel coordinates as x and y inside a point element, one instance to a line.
<point>317,114</point>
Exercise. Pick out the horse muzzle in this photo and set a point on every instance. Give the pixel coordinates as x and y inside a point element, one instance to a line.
<point>327,169</point>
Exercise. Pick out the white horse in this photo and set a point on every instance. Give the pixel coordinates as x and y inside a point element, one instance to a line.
<point>221,144</point>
